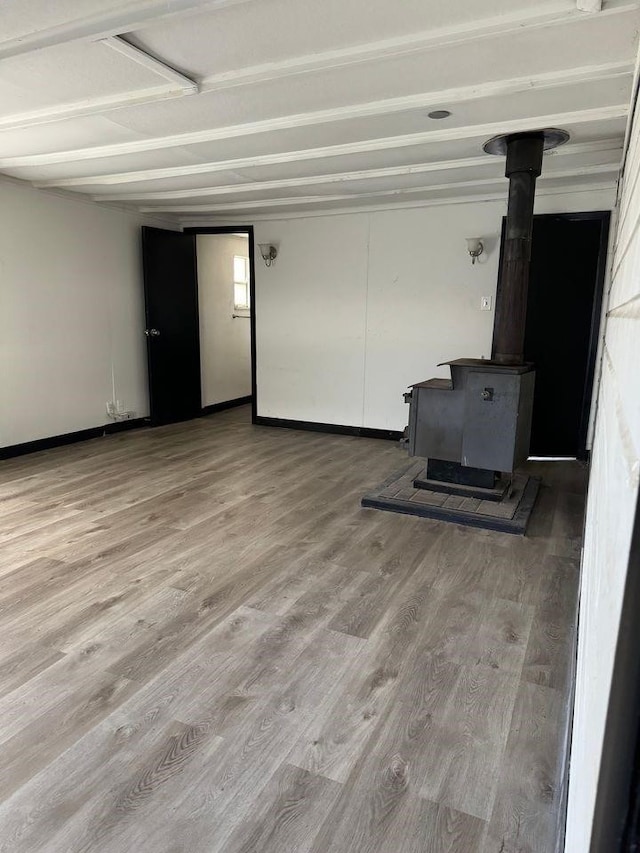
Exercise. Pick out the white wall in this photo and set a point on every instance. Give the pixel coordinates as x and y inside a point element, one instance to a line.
<point>358,306</point>
<point>225,343</point>
<point>71,314</point>
<point>310,319</point>
<point>613,493</point>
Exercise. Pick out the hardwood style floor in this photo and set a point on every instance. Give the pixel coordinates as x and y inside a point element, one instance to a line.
<point>207,645</point>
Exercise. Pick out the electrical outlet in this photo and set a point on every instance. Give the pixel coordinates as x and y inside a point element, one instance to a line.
<point>485,303</point>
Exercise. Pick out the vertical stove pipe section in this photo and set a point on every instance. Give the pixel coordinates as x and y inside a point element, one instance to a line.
<point>524,165</point>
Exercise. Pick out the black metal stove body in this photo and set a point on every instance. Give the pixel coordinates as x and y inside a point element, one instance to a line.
<point>480,419</point>
<point>479,423</point>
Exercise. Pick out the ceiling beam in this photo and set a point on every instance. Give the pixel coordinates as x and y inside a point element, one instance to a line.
<point>585,171</point>
<point>175,85</point>
<point>420,42</point>
<point>341,178</point>
<point>150,62</point>
<point>124,18</point>
<point>229,219</point>
<point>286,157</point>
<point>387,106</point>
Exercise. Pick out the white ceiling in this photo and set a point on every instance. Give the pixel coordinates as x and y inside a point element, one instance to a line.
<point>246,108</point>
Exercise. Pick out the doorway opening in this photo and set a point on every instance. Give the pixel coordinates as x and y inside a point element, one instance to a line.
<point>224,299</point>
<point>564,304</point>
<point>200,315</point>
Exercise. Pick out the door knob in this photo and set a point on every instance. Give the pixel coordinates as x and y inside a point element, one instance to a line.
<point>151,333</point>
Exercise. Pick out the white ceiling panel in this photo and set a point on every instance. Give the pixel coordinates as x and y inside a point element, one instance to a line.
<point>352,132</point>
<point>169,158</point>
<point>274,30</point>
<point>450,153</point>
<point>68,73</point>
<point>537,54</point>
<point>455,183</point>
<point>19,18</point>
<point>280,208</point>
<point>482,111</point>
<point>191,157</point>
<point>85,132</point>
<point>587,163</point>
<point>334,170</point>
<point>305,105</point>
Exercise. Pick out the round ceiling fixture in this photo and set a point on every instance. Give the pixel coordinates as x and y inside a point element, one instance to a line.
<point>437,114</point>
<point>553,136</point>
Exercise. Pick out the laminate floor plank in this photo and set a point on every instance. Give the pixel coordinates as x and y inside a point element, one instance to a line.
<point>37,743</point>
<point>502,638</point>
<point>550,652</point>
<point>468,739</point>
<point>208,646</point>
<point>287,814</point>
<point>340,731</point>
<point>524,817</point>
<point>226,784</point>
<point>391,771</point>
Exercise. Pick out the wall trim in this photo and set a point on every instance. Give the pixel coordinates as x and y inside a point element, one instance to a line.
<point>52,441</point>
<point>228,404</point>
<point>335,429</point>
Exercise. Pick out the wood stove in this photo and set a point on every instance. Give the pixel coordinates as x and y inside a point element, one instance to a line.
<point>476,426</point>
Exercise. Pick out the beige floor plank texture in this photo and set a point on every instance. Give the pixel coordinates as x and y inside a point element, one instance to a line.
<point>207,646</point>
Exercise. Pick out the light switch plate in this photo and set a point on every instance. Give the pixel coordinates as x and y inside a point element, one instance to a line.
<point>485,303</point>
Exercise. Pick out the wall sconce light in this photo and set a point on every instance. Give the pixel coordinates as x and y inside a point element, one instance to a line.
<point>475,247</point>
<point>269,253</point>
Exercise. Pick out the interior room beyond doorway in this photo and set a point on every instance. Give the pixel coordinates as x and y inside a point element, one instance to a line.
<point>225,318</point>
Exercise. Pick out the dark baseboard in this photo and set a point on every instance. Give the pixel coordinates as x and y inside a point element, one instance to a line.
<point>70,438</point>
<point>228,404</point>
<point>135,423</point>
<point>335,429</point>
<point>123,426</point>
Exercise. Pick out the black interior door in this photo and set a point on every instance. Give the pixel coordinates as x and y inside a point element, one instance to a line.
<point>563,315</point>
<point>171,307</point>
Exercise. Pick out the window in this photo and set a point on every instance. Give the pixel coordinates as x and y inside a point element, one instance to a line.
<point>241,283</point>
